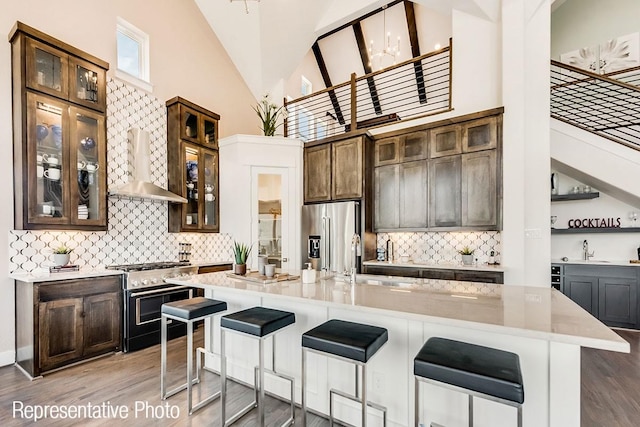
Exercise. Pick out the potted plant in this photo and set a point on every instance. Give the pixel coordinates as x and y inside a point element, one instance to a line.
<point>269,113</point>
<point>240,254</point>
<point>467,255</point>
<point>61,255</point>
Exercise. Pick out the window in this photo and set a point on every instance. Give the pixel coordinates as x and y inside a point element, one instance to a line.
<point>133,54</point>
<point>305,88</point>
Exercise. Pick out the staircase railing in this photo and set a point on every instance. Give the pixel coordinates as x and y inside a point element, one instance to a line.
<point>412,89</point>
<point>607,105</point>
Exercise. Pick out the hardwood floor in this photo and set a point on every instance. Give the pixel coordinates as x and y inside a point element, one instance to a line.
<point>610,392</point>
<point>611,385</point>
<point>124,379</point>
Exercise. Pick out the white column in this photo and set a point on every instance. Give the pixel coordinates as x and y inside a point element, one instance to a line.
<point>525,87</point>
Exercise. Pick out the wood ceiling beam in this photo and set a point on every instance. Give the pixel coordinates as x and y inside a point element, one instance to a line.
<point>362,18</point>
<point>327,82</point>
<point>415,49</point>
<point>364,57</point>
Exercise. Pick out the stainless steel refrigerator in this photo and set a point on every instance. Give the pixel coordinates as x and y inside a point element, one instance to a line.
<point>327,233</point>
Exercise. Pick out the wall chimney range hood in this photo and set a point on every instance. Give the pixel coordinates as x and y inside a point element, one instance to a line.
<point>140,186</point>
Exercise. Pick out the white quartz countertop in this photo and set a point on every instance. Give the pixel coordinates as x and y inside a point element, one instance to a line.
<point>443,265</point>
<point>209,263</point>
<point>45,276</point>
<point>530,312</point>
<point>625,263</point>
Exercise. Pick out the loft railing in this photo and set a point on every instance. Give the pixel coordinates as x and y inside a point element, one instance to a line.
<point>412,89</point>
<point>607,105</point>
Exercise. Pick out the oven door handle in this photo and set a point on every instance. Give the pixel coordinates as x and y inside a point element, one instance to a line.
<point>157,291</point>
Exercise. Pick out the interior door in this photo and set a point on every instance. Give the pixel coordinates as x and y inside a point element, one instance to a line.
<point>271,232</point>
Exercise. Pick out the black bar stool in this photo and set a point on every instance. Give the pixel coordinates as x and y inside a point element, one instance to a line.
<point>471,369</point>
<point>350,342</point>
<point>187,311</point>
<point>259,323</point>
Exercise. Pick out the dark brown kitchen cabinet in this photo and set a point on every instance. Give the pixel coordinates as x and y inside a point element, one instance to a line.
<point>317,173</point>
<point>55,68</point>
<point>480,134</point>
<point>347,169</point>
<point>193,165</point>
<point>445,192</point>
<point>387,151</point>
<point>400,198</point>
<point>445,141</point>
<point>67,321</point>
<point>479,189</point>
<point>335,170</point>
<point>59,128</point>
<point>387,197</point>
<point>414,146</point>
<point>413,198</point>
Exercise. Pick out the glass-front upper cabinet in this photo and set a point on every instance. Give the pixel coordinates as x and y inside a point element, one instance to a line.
<point>87,85</point>
<point>59,134</point>
<point>192,149</point>
<point>46,161</point>
<point>51,69</point>
<point>87,168</point>
<point>192,207</point>
<point>210,181</point>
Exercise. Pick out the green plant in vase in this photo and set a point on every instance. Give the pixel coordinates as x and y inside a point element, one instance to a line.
<point>61,255</point>
<point>467,255</point>
<point>269,113</point>
<point>240,254</point>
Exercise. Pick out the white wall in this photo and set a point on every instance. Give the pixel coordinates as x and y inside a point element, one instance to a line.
<point>581,23</point>
<point>186,60</point>
<point>606,246</point>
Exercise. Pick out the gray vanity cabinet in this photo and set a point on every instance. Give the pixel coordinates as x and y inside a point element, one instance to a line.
<point>618,301</point>
<point>609,293</point>
<point>583,290</point>
<point>445,194</point>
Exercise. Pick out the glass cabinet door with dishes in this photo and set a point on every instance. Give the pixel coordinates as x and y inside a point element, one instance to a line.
<point>192,144</point>
<point>59,135</point>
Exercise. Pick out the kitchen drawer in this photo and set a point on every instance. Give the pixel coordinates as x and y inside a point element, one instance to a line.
<point>600,270</point>
<point>480,276</point>
<point>438,274</point>
<point>392,271</point>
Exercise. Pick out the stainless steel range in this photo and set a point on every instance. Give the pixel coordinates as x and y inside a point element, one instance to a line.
<point>145,290</point>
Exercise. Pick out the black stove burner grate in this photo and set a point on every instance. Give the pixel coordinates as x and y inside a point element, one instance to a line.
<point>149,266</point>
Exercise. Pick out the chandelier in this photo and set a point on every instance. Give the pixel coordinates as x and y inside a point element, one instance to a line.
<point>246,6</point>
<point>389,51</point>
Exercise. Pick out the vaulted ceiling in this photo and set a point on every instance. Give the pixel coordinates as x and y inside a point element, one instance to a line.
<point>267,44</point>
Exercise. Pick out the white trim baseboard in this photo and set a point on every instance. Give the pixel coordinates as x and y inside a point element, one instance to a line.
<point>7,357</point>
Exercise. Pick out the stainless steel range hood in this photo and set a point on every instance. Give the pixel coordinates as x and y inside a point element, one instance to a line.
<point>140,186</point>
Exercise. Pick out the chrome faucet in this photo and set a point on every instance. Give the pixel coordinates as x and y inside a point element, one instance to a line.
<point>585,251</point>
<point>355,248</point>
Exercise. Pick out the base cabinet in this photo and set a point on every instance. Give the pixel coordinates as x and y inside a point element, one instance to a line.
<point>618,301</point>
<point>63,322</point>
<point>583,290</point>
<point>609,293</point>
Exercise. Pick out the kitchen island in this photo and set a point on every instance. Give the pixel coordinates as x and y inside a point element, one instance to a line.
<point>541,325</point>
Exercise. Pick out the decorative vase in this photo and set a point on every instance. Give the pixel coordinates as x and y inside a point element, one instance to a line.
<point>467,259</point>
<point>61,259</point>
<point>240,269</point>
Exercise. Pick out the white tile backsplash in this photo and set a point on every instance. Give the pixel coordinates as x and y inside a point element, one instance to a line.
<point>442,246</point>
<point>138,229</point>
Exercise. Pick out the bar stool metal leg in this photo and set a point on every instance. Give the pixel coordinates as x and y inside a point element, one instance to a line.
<point>303,398</point>
<point>470,411</point>
<point>163,356</point>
